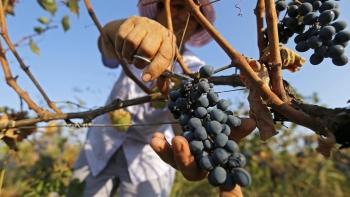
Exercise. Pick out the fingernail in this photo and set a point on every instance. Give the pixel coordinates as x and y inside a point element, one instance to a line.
<point>177,147</point>
<point>146,77</point>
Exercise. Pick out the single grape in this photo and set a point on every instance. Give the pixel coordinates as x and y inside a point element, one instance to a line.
<point>281,5</point>
<point>310,18</point>
<point>197,157</point>
<point>196,147</point>
<point>214,127</point>
<point>220,140</point>
<point>174,95</point>
<point>328,5</point>
<point>231,146</point>
<point>314,42</point>
<point>341,61</point>
<point>321,51</point>
<point>237,160</point>
<point>292,22</point>
<point>233,121</point>
<point>302,46</point>
<point>229,112</point>
<point>299,29</point>
<point>216,114</point>
<point>181,103</point>
<point>200,133</point>
<point>344,44</point>
<point>342,36</point>
<point>206,71</point>
<point>292,11</point>
<point>300,37</point>
<point>336,13</point>
<point>229,183</point>
<point>223,104</point>
<point>315,59</point>
<point>305,8</point>
<point>207,163</point>
<point>203,87</point>
<point>171,106</point>
<point>288,32</point>
<point>189,135</point>
<point>316,5</point>
<point>326,17</point>
<point>183,120</point>
<point>280,27</point>
<point>226,129</point>
<point>200,112</point>
<point>328,43</point>
<point>213,98</point>
<point>242,177</point>
<point>339,25</point>
<point>225,118</point>
<point>208,145</point>
<point>220,156</point>
<point>327,32</point>
<point>194,123</point>
<point>313,31</point>
<point>195,95</point>
<point>176,114</point>
<point>202,102</point>
<point>217,175</point>
<point>336,50</point>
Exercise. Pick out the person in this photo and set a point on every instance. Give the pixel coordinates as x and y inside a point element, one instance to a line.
<point>134,161</point>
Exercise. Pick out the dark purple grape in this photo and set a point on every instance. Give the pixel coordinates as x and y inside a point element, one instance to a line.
<point>326,17</point>
<point>229,184</point>
<point>336,50</point>
<point>315,59</point>
<point>339,25</point>
<point>200,112</point>
<point>314,42</point>
<point>211,85</point>
<point>300,37</point>
<point>281,5</point>
<point>222,104</point>
<point>237,160</point>
<point>310,18</point>
<point>328,43</point>
<point>213,98</point>
<point>336,13</point>
<point>207,163</point>
<point>217,175</point>
<point>242,177</point>
<point>305,8</point>
<point>216,114</point>
<point>194,123</point>
<point>226,129</point>
<point>288,32</point>
<point>200,133</point>
<point>214,127</point>
<point>313,31</point>
<point>174,95</point>
<point>293,11</point>
<point>229,112</point>
<point>186,85</point>
<point>302,46</point>
<point>341,61</point>
<point>225,118</point>
<point>202,102</point>
<point>195,95</point>
<point>292,22</point>
<point>316,5</point>
<point>328,5</point>
<point>327,32</point>
<point>220,156</point>
<point>203,87</point>
<point>342,36</point>
<point>196,147</point>
<point>220,140</point>
<point>233,121</point>
<point>206,71</point>
<point>183,120</point>
<point>321,51</point>
<point>299,29</point>
<point>208,145</point>
<point>176,114</point>
<point>344,44</point>
<point>231,146</point>
<point>280,27</point>
<point>181,103</point>
<point>188,135</point>
<point>171,106</point>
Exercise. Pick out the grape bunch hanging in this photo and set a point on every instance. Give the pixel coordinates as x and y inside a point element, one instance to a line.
<point>205,121</point>
<point>315,23</point>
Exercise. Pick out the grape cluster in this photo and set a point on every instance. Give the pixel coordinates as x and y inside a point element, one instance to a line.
<point>205,121</point>
<point>314,22</point>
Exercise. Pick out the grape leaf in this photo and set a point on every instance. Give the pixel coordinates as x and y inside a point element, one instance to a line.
<point>43,20</point>
<point>38,30</point>
<point>48,5</point>
<point>34,47</point>
<point>65,22</point>
<point>73,6</point>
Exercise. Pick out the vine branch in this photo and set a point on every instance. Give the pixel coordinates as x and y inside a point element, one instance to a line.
<point>259,12</point>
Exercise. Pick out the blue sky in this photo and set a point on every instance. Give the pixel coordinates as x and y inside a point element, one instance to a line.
<point>71,61</point>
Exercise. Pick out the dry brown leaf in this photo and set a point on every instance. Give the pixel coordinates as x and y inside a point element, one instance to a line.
<point>325,145</point>
<point>290,59</point>
<point>258,110</point>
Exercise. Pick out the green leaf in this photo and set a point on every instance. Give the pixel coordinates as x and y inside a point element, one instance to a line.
<point>43,20</point>
<point>38,30</point>
<point>48,5</point>
<point>158,104</point>
<point>34,47</point>
<point>65,23</point>
<point>73,6</point>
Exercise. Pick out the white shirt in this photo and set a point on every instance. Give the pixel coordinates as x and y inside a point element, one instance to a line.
<point>102,142</point>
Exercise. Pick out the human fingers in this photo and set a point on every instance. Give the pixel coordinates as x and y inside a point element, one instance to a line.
<point>236,192</point>
<point>246,127</point>
<point>162,58</point>
<point>163,85</point>
<point>185,161</point>
<point>163,149</point>
<point>122,33</point>
<point>131,42</point>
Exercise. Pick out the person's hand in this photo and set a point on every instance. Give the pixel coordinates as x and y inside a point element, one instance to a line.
<point>179,156</point>
<point>149,39</point>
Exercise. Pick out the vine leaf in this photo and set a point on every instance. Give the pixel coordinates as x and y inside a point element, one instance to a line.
<point>34,47</point>
<point>65,22</point>
<point>73,6</point>
<point>43,20</point>
<point>120,116</point>
<point>49,5</point>
<point>38,30</point>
